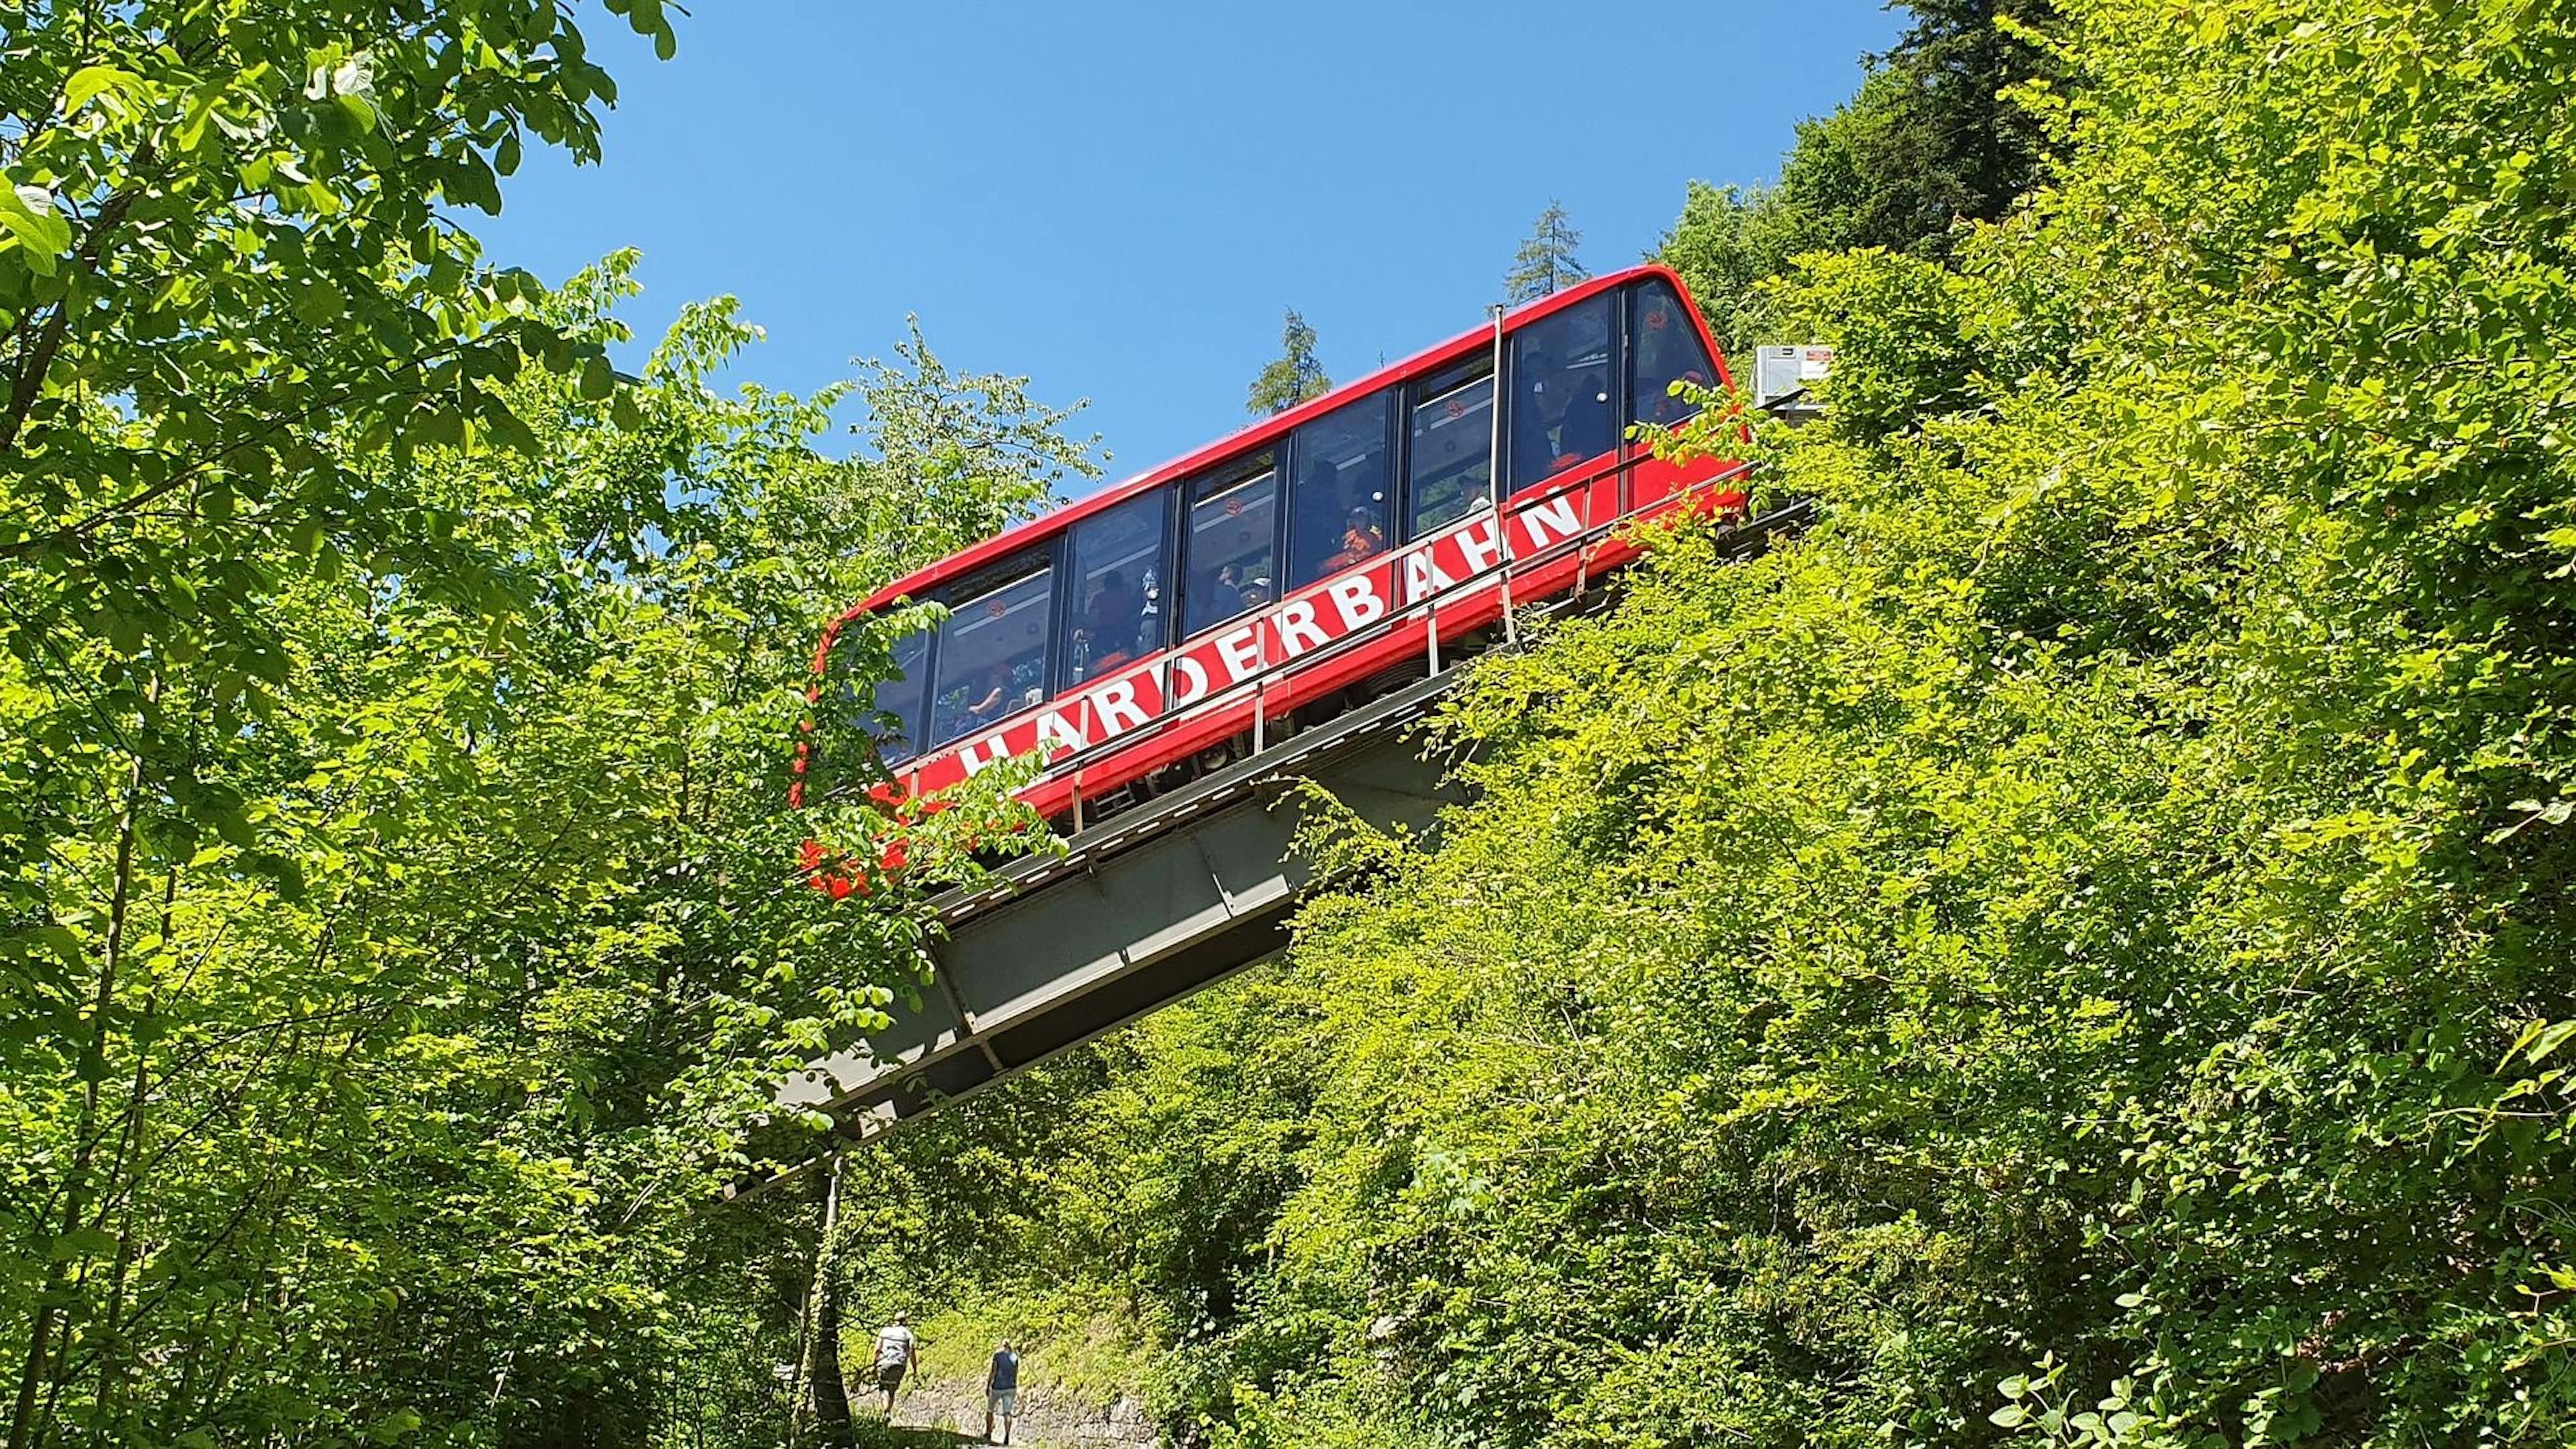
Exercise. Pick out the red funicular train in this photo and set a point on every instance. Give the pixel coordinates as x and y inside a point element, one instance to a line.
<point>1273,577</point>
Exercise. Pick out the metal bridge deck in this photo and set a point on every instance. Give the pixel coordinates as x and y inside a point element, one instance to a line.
<point>1145,908</point>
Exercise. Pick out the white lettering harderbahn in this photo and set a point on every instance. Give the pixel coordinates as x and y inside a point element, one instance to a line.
<point>1454,567</point>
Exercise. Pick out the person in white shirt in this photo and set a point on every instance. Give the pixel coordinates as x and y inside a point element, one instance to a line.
<point>897,1351</point>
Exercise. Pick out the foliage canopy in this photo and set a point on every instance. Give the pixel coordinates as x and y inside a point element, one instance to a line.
<point>1942,134</point>
<point>2071,950</point>
<point>397,926</point>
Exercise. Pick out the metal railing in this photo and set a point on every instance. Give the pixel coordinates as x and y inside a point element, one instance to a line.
<point>1396,566</point>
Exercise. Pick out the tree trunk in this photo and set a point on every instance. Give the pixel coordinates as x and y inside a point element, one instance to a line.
<point>818,1335</point>
<point>831,1394</point>
<point>53,1305</point>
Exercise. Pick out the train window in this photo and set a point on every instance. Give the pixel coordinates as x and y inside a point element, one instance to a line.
<point>1663,348</point>
<point>1337,511</point>
<point>1120,578</point>
<point>903,697</point>
<point>1232,544</point>
<point>1449,472</point>
<point>992,654</point>
<point>1561,392</point>
<point>847,720</point>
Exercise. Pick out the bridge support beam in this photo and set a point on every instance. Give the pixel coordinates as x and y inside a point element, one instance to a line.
<point>1149,907</point>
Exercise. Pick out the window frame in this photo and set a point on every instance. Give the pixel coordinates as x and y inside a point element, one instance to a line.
<point>1420,391</point>
<point>1507,469</point>
<point>1222,478</point>
<point>1629,352</point>
<point>1069,590</point>
<point>1390,430</point>
<point>920,724</point>
<point>1000,574</point>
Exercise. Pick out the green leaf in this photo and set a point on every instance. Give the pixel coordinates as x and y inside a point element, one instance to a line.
<point>510,432</point>
<point>92,81</point>
<point>2010,1416</point>
<point>2548,1040</point>
<point>59,940</point>
<point>84,1242</point>
<point>470,182</point>
<point>28,216</point>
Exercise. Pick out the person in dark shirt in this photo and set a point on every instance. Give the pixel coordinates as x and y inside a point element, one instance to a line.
<point>1562,418</point>
<point>1586,428</point>
<point>1109,631</point>
<point>1001,1393</point>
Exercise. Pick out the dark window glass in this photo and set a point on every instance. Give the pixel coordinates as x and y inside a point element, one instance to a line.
<point>1561,392</point>
<point>992,655</point>
<point>1120,579</point>
<point>1663,348</point>
<point>902,697</point>
<point>1450,468</point>
<point>1232,544</point>
<point>1338,508</point>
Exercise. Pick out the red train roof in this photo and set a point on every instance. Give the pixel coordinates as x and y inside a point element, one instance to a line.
<point>1245,439</point>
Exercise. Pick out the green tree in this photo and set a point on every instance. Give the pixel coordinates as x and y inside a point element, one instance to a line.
<point>1546,261</point>
<point>1726,243</point>
<point>230,284</point>
<point>397,918</point>
<point>459,1030</point>
<point>1946,140</point>
<point>2084,900</point>
<point>1950,127</point>
<point>1292,377</point>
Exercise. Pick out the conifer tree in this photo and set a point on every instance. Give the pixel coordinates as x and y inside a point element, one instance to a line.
<point>1291,378</point>
<point>1546,261</point>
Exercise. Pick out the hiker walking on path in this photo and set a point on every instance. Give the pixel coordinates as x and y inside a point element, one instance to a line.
<point>897,1351</point>
<point>1001,1393</point>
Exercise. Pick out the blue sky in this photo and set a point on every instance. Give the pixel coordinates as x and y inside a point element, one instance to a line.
<point>1118,201</point>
